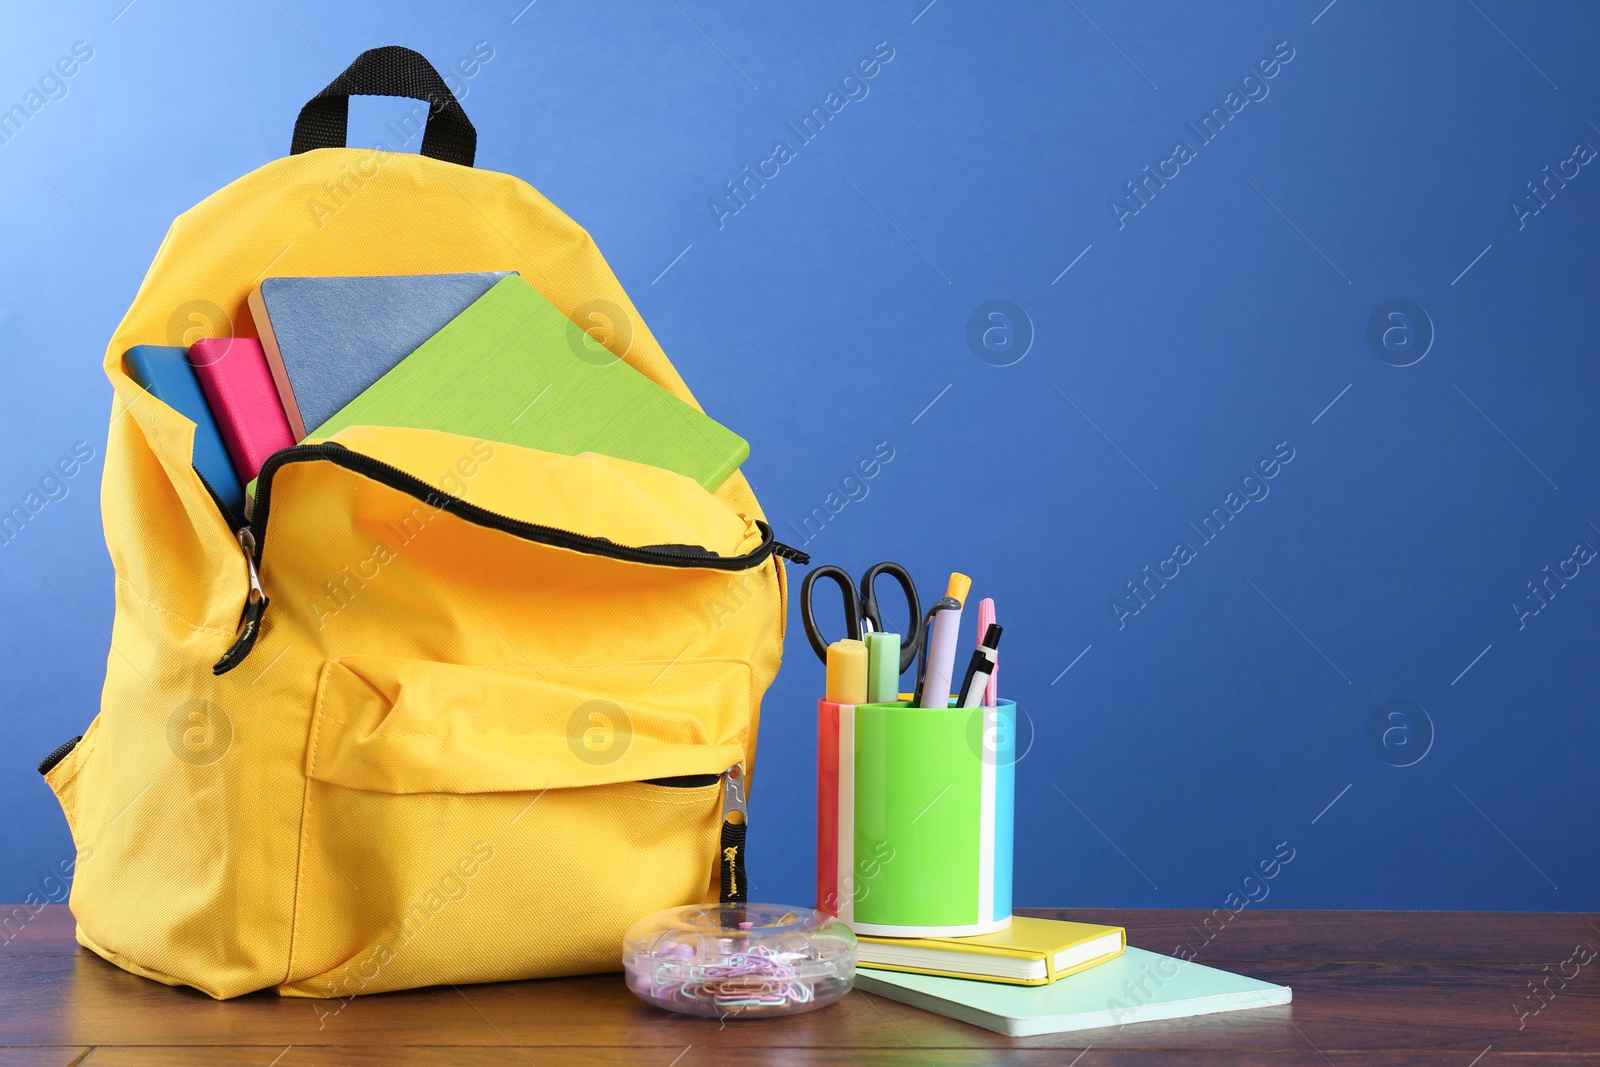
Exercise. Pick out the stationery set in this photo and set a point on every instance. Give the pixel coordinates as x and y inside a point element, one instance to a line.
<point>915,804</point>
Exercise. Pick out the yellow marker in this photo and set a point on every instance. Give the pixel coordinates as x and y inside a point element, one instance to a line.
<point>847,672</point>
<point>960,585</point>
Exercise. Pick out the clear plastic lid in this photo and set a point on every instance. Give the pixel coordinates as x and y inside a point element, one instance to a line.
<point>737,960</point>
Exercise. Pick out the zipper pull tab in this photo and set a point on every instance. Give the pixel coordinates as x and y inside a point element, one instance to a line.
<point>735,824</point>
<point>734,808</point>
<point>255,606</point>
<point>247,541</point>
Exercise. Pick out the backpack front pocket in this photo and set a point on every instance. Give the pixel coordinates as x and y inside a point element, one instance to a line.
<point>482,824</point>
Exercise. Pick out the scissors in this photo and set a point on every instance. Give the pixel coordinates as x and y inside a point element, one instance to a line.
<point>861,614</point>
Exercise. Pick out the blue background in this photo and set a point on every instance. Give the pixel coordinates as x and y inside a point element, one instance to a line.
<point>1232,712</point>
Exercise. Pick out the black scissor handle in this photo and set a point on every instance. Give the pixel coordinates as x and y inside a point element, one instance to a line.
<point>852,607</point>
<point>871,612</point>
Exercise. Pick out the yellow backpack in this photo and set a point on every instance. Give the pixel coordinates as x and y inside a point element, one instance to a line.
<point>444,710</point>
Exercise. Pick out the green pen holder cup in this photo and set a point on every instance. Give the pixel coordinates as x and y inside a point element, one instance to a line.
<point>925,803</point>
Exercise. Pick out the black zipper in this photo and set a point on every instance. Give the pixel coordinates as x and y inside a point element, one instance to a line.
<point>47,764</point>
<point>395,478</point>
<point>684,781</point>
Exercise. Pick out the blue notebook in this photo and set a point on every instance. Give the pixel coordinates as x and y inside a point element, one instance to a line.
<point>1137,986</point>
<point>166,374</point>
<point>328,339</point>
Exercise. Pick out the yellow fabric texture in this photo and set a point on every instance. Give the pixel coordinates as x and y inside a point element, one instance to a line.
<point>431,766</point>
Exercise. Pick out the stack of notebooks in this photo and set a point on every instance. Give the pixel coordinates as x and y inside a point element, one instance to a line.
<point>1044,976</point>
<point>481,355</point>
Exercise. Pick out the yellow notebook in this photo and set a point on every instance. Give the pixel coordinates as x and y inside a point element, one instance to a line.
<point>1030,952</point>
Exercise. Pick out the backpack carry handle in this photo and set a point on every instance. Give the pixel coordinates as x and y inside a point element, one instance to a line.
<point>389,71</point>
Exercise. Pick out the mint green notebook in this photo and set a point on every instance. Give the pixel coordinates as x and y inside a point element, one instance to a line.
<point>512,368</point>
<point>1137,986</point>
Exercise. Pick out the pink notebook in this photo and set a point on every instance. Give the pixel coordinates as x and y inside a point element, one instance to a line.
<point>244,400</point>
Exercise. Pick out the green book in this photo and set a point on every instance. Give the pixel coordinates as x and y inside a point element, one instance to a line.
<point>1137,986</point>
<point>512,368</point>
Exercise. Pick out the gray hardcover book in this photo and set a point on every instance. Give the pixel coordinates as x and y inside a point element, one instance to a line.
<point>328,339</point>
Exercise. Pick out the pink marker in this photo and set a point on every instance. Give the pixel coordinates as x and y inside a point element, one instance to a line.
<point>991,691</point>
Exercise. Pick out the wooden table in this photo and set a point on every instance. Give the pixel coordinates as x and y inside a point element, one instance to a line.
<point>1389,988</point>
